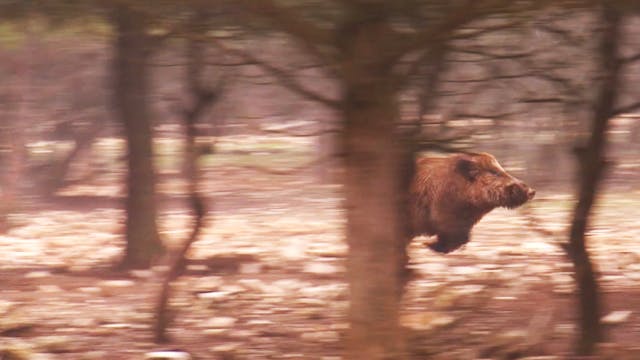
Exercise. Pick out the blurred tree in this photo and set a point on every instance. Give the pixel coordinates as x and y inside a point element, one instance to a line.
<point>13,151</point>
<point>14,154</point>
<point>591,158</point>
<point>365,44</point>
<point>140,29</point>
<point>77,117</point>
<point>599,98</point>
<point>132,50</point>
<point>534,75</point>
<point>14,99</point>
<point>201,99</point>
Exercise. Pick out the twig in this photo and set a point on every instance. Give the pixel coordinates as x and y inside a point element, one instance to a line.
<point>281,74</point>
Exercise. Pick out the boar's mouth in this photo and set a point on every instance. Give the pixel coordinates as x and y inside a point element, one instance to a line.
<point>514,204</point>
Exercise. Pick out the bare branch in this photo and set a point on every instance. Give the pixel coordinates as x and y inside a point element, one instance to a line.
<point>630,59</point>
<point>433,59</point>
<point>282,75</point>
<point>493,56</point>
<point>289,21</point>
<point>565,35</point>
<point>563,82</point>
<point>489,78</point>
<point>634,107</point>
<point>568,87</point>
<point>435,35</point>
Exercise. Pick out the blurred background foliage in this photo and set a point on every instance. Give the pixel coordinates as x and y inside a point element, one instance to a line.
<point>96,98</point>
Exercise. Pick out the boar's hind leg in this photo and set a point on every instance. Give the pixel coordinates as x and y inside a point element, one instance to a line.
<point>447,243</point>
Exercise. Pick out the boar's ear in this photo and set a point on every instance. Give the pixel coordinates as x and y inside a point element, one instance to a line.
<point>467,167</point>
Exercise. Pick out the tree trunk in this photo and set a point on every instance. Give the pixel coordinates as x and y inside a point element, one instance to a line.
<point>202,99</point>
<point>15,121</point>
<point>12,174</point>
<point>592,163</point>
<point>131,90</point>
<point>374,195</point>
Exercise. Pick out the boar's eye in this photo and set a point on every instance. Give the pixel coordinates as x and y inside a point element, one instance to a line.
<point>494,172</point>
<point>468,168</point>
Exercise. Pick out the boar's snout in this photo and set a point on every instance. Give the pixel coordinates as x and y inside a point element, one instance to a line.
<point>518,193</point>
<point>531,192</point>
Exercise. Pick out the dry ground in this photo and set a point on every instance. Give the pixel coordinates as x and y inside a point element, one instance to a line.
<point>265,281</point>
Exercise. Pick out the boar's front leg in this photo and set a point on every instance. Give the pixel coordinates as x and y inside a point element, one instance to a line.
<point>447,243</point>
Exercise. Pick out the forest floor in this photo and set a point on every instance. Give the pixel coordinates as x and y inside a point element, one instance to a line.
<point>266,280</point>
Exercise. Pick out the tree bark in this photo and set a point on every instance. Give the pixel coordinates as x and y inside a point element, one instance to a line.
<point>591,158</point>
<point>374,194</point>
<point>131,92</point>
<point>14,135</point>
<point>12,174</point>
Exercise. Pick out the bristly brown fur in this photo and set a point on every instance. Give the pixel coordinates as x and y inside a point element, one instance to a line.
<point>449,195</point>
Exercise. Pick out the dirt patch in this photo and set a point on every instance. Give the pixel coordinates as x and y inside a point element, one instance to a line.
<point>266,281</point>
